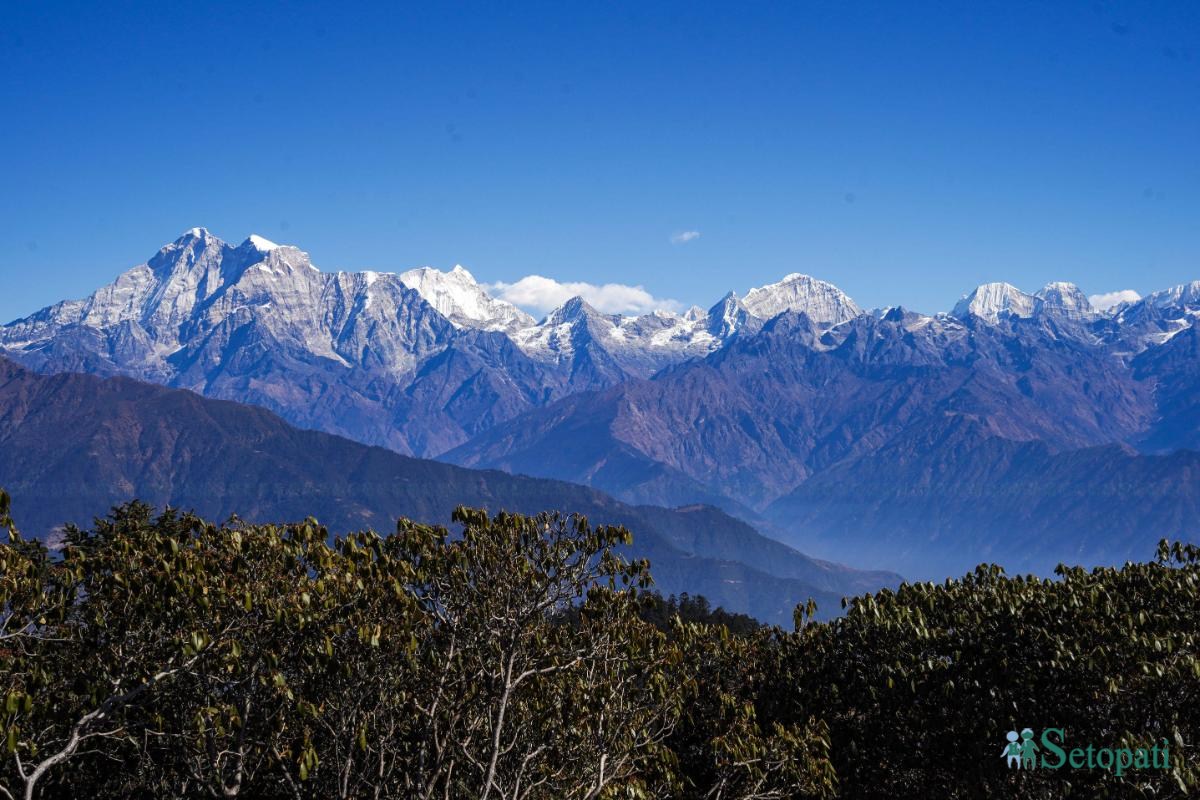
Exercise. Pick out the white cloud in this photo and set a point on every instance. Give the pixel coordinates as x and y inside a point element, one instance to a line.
<point>683,237</point>
<point>1103,302</point>
<point>538,295</point>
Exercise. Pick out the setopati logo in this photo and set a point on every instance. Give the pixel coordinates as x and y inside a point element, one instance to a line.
<point>1022,752</point>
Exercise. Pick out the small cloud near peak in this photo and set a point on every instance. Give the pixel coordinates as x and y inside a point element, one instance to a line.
<point>683,237</point>
<point>539,295</point>
<point>1103,302</point>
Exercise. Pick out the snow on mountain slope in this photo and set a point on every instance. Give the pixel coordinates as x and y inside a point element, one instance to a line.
<point>824,303</point>
<point>199,286</point>
<point>1185,295</point>
<point>727,317</point>
<point>644,344</point>
<point>259,243</point>
<point>992,301</point>
<point>634,345</point>
<point>1126,328</point>
<point>1064,299</point>
<point>459,298</point>
<point>1134,327</point>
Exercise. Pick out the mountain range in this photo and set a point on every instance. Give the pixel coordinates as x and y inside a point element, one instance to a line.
<point>73,445</point>
<point>419,361</point>
<point>909,441</point>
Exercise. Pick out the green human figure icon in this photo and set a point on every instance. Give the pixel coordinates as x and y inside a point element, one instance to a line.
<point>1012,750</point>
<point>1028,750</point>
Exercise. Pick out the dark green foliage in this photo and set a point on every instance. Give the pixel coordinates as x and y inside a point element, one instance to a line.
<point>164,656</point>
<point>663,613</point>
<point>919,686</point>
<point>169,657</point>
<point>666,614</point>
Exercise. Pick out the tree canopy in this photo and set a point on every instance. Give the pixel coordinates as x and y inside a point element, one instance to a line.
<point>510,656</point>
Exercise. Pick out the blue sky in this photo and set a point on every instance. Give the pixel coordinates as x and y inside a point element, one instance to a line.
<point>905,151</point>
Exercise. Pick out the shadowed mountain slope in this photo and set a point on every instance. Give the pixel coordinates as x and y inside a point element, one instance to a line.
<point>73,445</point>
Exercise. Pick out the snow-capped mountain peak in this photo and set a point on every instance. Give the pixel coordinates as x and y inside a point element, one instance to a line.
<point>1064,299</point>
<point>991,301</point>
<point>459,298</point>
<point>575,308</point>
<point>638,345</point>
<point>190,239</point>
<point>1184,295</point>
<point>821,301</point>
<point>261,244</point>
<point>727,316</point>
<point>196,291</point>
